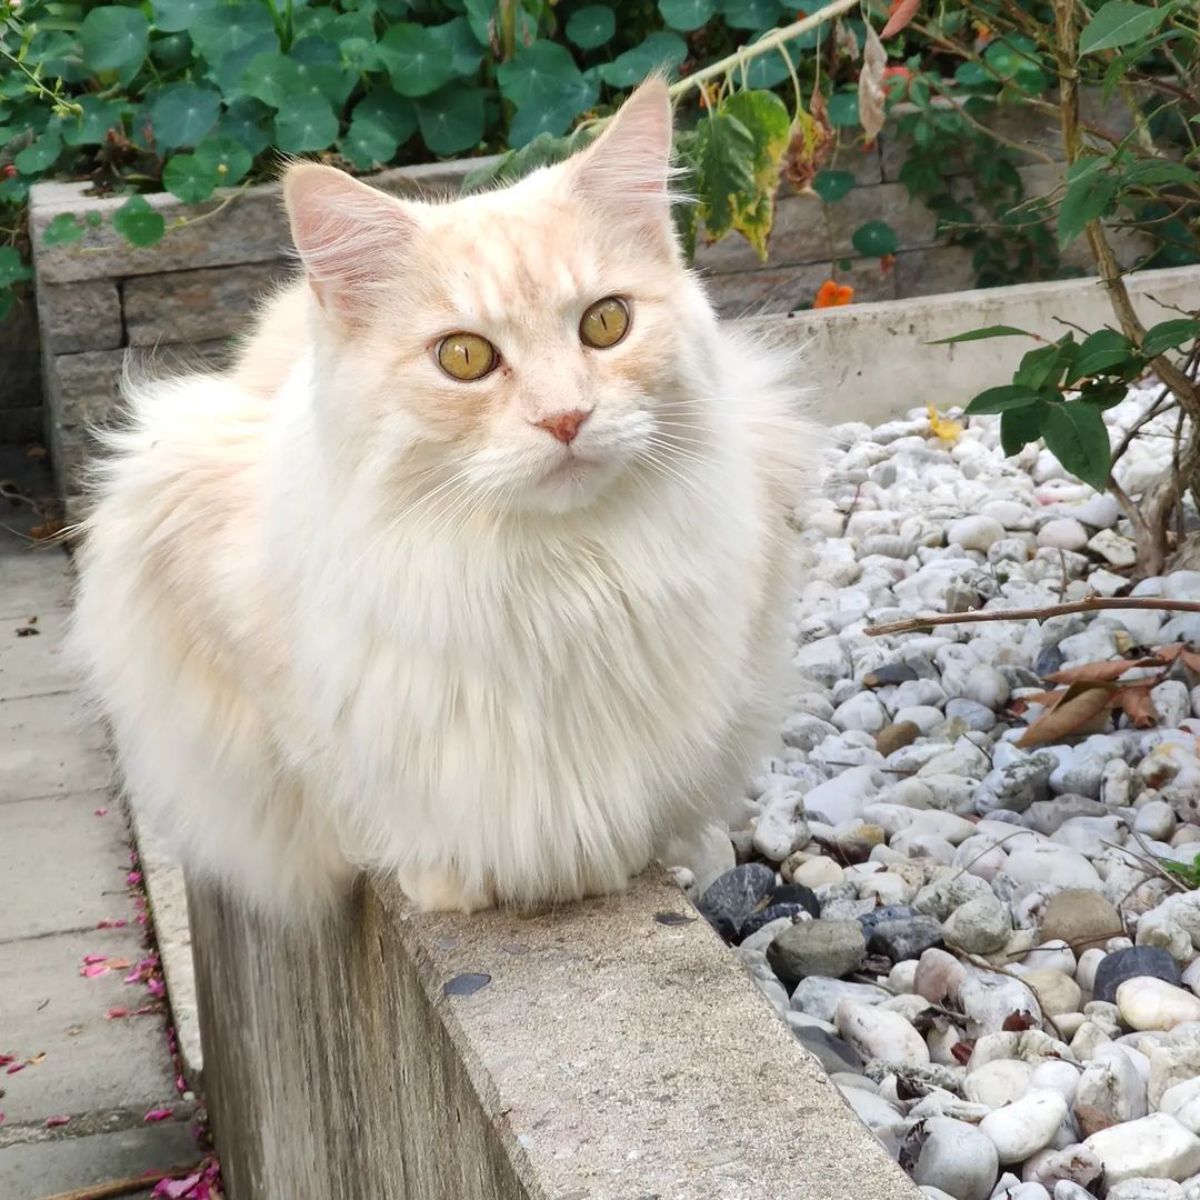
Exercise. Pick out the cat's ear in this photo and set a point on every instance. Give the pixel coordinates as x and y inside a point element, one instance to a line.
<point>627,170</point>
<point>350,237</point>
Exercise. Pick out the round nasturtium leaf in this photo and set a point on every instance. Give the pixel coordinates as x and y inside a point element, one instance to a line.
<point>181,114</point>
<point>138,223</point>
<point>594,25</point>
<point>12,269</point>
<point>875,239</point>
<point>189,179</point>
<point>380,123</point>
<point>417,61</point>
<point>750,14</point>
<point>114,37</point>
<point>41,154</point>
<point>831,186</point>
<point>307,124</point>
<point>451,120</point>
<point>843,109</point>
<point>245,122</point>
<point>686,14</point>
<point>228,159</point>
<point>175,16</point>
<point>659,50</point>
<point>63,230</point>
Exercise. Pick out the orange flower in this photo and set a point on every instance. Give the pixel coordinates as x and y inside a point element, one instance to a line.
<point>832,294</point>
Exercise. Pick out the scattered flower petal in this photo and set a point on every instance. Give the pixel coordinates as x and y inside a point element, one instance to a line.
<point>55,1122</point>
<point>133,878</point>
<point>15,1068</point>
<point>100,812</point>
<point>114,1014</point>
<point>159,1114</point>
<point>94,958</point>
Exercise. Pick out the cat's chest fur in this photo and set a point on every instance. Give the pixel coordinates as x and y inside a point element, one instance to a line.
<point>584,684</point>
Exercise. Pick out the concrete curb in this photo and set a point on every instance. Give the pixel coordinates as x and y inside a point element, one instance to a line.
<point>609,1050</point>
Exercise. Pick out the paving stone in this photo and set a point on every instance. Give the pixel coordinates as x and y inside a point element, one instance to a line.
<point>92,1065</point>
<point>29,1170</point>
<point>35,581</point>
<point>31,661</point>
<point>38,839</point>
<point>50,746</point>
<point>84,315</point>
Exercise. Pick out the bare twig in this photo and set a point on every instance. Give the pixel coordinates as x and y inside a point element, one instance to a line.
<point>1090,604</point>
<point>124,1187</point>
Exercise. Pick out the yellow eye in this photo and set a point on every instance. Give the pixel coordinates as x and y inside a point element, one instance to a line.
<point>605,323</point>
<point>466,356</point>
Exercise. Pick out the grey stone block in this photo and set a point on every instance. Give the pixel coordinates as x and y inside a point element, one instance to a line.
<point>51,1165</point>
<point>20,364</point>
<point>799,235</point>
<point>36,580</point>
<point>40,899</point>
<point>50,746</point>
<point>96,1071</point>
<point>196,306</point>
<point>913,221</point>
<point>250,228</point>
<point>343,1052</point>
<point>31,661</point>
<point>757,293</point>
<point>933,270</point>
<point>83,315</point>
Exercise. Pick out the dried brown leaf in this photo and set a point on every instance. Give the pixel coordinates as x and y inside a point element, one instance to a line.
<point>1104,672</point>
<point>1083,709</point>
<point>899,15</point>
<point>811,144</point>
<point>871,94</point>
<point>1138,707</point>
<point>845,41</point>
<point>1191,660</point>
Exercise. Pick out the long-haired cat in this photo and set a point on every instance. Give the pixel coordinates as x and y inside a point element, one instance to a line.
<point>474,570</point>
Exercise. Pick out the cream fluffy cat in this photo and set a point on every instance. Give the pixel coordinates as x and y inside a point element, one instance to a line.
<point>474,571</point>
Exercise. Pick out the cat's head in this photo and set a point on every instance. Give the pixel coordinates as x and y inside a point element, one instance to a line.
<point>532,342</point>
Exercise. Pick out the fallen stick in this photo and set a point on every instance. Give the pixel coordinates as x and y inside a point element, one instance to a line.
<point>124,1187</point>
<point>1091,604</point>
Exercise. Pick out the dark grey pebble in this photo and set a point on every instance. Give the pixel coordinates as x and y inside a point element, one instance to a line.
<point>829,1049</point>
<point>889,912</point>
<point>773,912</point>
<point>732,897</point>
<point>797,893</point>
<point>902,938</point>
<point>1121,965</point>
<point>467,984</point>
<point>1048,661</point>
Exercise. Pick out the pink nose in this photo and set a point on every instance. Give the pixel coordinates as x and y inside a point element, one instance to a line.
<point>564,425</point>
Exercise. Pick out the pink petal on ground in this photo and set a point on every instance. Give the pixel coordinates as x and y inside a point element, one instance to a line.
<point>94,958</point>
<point>55,1122</point>
<point>115,1014</point>
<point>133,878</point>
<point>180,1083</point>
<point>100,812</point>
<point>159,1114</point>
<point>1,1118</point>
<point>95,969</point>
<point>148,1010</point>
<point>5,1059</point>
<point>156,987</point>
<point>15,1068</point>
<point>176,1189</point>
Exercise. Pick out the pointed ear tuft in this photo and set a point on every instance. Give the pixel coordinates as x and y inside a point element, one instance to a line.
<point>350,237</point>
<point>627,169</point>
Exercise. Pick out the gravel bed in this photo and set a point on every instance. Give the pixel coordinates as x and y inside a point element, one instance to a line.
<point>977,940</point>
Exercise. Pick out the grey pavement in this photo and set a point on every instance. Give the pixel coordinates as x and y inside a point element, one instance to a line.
<point>64,856</point>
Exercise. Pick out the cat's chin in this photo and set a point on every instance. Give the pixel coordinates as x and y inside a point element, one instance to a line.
<point>572,483</point>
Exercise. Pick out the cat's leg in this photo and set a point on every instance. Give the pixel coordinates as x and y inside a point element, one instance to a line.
<point>444,891</point>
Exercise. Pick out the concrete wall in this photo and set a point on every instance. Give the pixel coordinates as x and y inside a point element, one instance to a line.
<point>610,1055</point>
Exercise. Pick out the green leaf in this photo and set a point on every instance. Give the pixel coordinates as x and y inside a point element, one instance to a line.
<point>177,16</point>
<point>190,180</point>
<point>1089,197</point>
<point>138,223</point>
<point>381,122</point>
<point>228,36</point>
<point>92,126</point>
<point>63,230</point>
<point>319,70</point>
<point>1076,435</point>
<point>1149,172</point>
<point>245,121</point>
<point>832,186</point>
<point>1099,352</point>
<point>1167,335</point>
<point>417,61</point>
<point>750,14</point>
<point>272,78</point>
<point>181,114</point>
<point>663,51</point>
<point>540,72</point>
<point>771,69</point>
<point>1001,399</point>
<point>12,269</point>
<point>1118,23</point>
<point>40,155</point>
<point>1044,366</point>
<point>451,120</point>
<point>1020,426</point>
<point>466,52</point>
<point>1104,393</point>
<point>725,161</point>
<point>308,123</point>
<point>875,239</point>
<point>1012,55</point>
<point>843,109</point>
<point>227,158</point>
<point>686,14</point>
<point>978,335</point>
<point>112,38</point>
<point>769,123</point>
<point>594,25</point>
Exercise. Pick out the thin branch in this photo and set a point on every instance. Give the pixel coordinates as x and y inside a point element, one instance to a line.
<point>1091,604</point>
<point>124,1187</point>
<point>773,39</point>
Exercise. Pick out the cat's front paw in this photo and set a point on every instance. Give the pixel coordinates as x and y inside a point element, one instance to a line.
<point>444,891</point>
